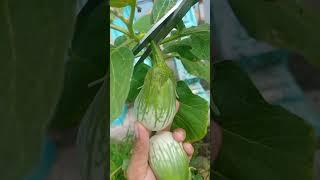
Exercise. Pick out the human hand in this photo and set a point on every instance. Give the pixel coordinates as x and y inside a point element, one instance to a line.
<point>139,168</point>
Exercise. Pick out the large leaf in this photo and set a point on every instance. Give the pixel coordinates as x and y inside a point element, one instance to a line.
<point>120,40</point>
<point>121,61</point>
<point>192,115</point>
<point>198,43</point>
<point>125,41</point>
<point>139,74</point>
<point>200,68</point>
<point>160,8</point>
<point>143,24</point>
<point>285,23</point>
<point>200,29</point>
<point>93,137</point>
<point>260,141</point>
<point>86,64</point>
<point>34,39</point>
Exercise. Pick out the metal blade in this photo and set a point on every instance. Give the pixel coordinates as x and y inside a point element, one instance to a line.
<point>180,12</point>
<point>166,24</point>
<point>153,32</point>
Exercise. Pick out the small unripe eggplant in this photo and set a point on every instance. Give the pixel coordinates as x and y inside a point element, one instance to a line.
<point>155,105</point>
<point>167,158</point>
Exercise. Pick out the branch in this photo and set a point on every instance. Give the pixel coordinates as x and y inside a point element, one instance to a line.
<point>130,23</point>
<point>115,27</point>
<point>123,19</point>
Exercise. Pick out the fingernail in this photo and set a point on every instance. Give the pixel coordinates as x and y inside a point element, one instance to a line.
<point>188,146</point>
<point>136,130</point>
<point>180,132</point>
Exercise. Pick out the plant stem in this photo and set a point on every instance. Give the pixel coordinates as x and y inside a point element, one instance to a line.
<point>119,16</point>
<point>120,29</point>
<point>156,52</point>
<point>130,23</point>
<point>115,172</point>
<point>174,37</point>
<point>170,38</point>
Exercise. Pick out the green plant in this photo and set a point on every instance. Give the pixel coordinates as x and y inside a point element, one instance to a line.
<point>154,90</point>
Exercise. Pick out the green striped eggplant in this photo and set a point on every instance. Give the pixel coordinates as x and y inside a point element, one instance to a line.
<point>155,105</point>
<point>167,158</point>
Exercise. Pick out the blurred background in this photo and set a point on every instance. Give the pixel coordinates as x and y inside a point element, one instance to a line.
<point>283,77</point>
<point>60,154</point>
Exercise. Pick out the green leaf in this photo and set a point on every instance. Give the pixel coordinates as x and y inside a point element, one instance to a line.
<point>198,43</point>
<point>119,156</point>
<point>34,37</point>
<point>93,137</point>
<point>120,74</point>
<point>200,68</point>
<point>85,65</point>
<point>143,24</point>
<point>192,49</point>
<point>120,40</point>
<point>160,8</point>
<point>260,141</point>
<point>192,115</point>
<point>284,24</point>
<point>120,3</point>
<point>139,74</point>
<point>124,41</point>
<point>201,29</point>
<point>181,51</point>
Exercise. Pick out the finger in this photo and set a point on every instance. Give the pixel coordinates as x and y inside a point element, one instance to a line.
<point>177,106</point>
<point>139,159</point>
<point>179,134</point>
<point>177,109</point>
<point>189,149</point>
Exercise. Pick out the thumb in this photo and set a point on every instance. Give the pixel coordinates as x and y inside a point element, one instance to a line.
<point>140,156</point>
